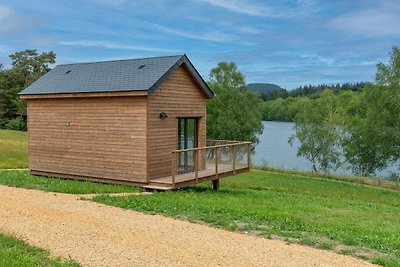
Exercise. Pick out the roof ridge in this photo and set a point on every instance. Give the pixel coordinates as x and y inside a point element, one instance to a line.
<point>117,60</point>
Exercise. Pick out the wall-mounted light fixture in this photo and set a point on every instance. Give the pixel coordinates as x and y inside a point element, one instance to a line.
<point>163,115</point>
<point>67,123</point>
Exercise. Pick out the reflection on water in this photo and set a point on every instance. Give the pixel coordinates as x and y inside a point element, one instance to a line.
<point>275,150</point>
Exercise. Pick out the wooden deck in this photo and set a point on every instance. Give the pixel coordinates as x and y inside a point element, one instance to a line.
<point>210,163</point>
<point>186,179</point>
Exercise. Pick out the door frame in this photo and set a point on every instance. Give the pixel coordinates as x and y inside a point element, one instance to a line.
<point>184,120</point>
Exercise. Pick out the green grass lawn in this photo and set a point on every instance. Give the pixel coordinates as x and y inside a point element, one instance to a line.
<point>26,180</point>
<point>349,218</point>
<point>13,149</point>
<point>14,252</point>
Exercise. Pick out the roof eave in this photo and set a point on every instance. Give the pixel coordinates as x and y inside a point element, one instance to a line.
<point>85,94</point>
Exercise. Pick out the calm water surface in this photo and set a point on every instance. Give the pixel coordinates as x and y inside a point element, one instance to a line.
<point>275,151</point>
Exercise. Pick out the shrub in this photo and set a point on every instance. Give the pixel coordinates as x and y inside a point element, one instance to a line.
<point>17,124</point>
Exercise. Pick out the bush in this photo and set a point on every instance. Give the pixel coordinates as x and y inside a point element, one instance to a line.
<point>17,124</point>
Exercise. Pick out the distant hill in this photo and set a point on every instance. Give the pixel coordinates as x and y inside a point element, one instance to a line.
<point>263,87</point>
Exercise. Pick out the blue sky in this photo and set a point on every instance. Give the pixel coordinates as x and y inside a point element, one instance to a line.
<point>289,42</point>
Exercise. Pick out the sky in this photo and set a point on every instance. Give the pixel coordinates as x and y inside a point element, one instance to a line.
<point>287,42</point>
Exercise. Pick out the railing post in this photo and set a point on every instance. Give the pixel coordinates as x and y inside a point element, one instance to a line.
<point>234,159</point>
<point>248,155</point>
<point>196,163</point>
<point>216,161</point>
<point>173,169</point>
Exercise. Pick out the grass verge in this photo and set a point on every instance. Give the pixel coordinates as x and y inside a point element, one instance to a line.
<point>328,214</point>
<point>25,180</point>
<point>13,149</point>
<point>14,252</point>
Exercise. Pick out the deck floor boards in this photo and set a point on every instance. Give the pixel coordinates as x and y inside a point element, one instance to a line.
<point>209,171</point>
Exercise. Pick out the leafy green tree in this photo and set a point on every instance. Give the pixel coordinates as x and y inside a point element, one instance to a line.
<point>362,147</point>
<point>384,108</point>
<point>389,74</point>
<point>27,66</point>
<point>317,127</point>
<point>388,78</point>
<point>234,113</point>
<point>373,137</point>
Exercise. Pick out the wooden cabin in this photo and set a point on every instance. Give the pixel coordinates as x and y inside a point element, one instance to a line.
<point>137,121</point>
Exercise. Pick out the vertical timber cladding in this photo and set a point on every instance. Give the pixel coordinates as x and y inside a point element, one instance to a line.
<point>101,137</point>
<point>178,96</point>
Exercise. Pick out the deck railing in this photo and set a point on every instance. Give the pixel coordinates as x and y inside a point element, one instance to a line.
<point>218,158</point>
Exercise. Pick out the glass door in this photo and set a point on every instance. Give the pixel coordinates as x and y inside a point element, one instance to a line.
<point>187,138</point>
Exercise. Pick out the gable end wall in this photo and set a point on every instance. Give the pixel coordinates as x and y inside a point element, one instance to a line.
<point>178,96</point>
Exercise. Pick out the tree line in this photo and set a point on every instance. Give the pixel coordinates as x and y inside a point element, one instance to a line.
<point>363,128</point>
<point>312,91</point>
<point>26,67</point>
<point>282,105</point>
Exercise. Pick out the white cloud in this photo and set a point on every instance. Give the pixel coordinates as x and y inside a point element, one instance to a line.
<point>11,21</point>
<point>248,30</point>
<point>7,19</point>
<point>209,36</point>
<point>248,8</point>
<point>117,4</point>
<point>238,7</point>
<point>371,22</point>
<point>89,43</point>
<point>5,13</point>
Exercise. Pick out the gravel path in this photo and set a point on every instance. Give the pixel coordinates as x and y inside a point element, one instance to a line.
<point>99,235</point>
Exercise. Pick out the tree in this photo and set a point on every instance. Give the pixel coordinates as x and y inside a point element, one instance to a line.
<point>384,108</point>
<point>317,127</point>
<point>234,113</point>
<point>388,78</point>
<point>362,147</point>
<point>373,137</point>
<point>27,67</point>
<point>8,105</point>
<point>389,74</point>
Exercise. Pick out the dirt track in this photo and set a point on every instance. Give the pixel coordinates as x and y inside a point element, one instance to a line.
<point>98,235</point>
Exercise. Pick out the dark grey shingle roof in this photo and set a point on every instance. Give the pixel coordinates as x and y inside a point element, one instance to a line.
<point>112,76</point>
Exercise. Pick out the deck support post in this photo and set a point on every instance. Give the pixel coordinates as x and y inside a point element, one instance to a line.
<point>216,161</point>
<point>173,169</point>
<point>216,184</point>
<point>249,155</point>
<point>234,160</point>
<point>196,163</point>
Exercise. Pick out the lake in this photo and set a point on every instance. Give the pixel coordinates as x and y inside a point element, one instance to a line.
<point>275,151</point>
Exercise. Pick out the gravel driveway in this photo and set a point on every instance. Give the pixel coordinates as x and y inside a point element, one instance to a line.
<point>97,235</point>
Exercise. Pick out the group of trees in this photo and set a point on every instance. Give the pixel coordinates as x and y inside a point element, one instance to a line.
<point>26,67</point>
<point>312,91</point>
<point>283,105</point>
<point>361,128</point>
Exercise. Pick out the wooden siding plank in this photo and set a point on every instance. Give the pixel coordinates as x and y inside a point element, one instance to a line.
<point>106,137</point>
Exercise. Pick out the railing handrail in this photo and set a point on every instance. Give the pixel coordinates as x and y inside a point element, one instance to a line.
<point>208,147</point>
<point>227,141</point>
<point>216,148</point>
